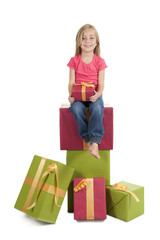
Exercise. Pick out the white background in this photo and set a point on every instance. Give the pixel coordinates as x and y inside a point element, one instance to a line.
<point>37,39</point>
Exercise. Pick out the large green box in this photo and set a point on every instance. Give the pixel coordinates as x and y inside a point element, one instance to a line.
<point>123,205</point>
<point>87,166</point>
<point>45,188</point>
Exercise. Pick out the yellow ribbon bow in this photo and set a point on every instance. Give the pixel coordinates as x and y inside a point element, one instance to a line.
<point>50,169</point>
<point>86,84</point>
<point>80,185</point>
<point>124,189</point>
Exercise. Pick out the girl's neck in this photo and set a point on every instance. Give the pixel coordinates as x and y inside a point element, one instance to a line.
<point>87,55</point>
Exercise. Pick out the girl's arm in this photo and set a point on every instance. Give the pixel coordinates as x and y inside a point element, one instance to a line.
<point>100,86</point>
<point>71,84</point>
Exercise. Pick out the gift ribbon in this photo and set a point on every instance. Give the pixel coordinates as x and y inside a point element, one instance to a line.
<point>88,182</point>
<point>50,169</point>
<point>84,145</point>
<point>84,85</point>
<point>124,189</point>
<point>46,187</point>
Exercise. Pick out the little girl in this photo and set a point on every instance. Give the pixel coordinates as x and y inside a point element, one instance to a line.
<point>88,66</point>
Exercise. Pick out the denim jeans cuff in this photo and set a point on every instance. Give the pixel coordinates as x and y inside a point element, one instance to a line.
<point>95,139</point>
<point>86,138</point>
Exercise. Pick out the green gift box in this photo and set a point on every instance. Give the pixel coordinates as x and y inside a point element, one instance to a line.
<point>87,166</point>
<point>44,189</point>
<point>122,204</point>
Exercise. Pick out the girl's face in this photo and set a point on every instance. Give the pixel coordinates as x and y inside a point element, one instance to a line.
<point>88,43</point>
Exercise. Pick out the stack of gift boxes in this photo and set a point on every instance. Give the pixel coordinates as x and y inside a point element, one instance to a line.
<point>87,179</point>
<point>124,200</point>
<point>85,165</point>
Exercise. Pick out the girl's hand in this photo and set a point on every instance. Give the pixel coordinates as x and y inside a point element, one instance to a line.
<point>94,97</point>
<point>71,99</point>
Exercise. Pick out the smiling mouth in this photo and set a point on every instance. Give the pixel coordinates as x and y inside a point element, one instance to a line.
<point>87,46</point>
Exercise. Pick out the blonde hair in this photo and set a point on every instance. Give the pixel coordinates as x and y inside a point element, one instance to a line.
<point>79,39</point>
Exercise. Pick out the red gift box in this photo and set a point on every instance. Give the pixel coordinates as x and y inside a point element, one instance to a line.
<point>89,198</point>
<point>69,138</point>
<point>83,91</point>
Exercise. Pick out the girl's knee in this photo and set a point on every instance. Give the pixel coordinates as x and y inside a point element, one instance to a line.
<point>97,107</point>
<point>76,108</point>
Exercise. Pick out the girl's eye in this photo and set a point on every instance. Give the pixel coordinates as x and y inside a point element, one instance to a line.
<point>83,38</point>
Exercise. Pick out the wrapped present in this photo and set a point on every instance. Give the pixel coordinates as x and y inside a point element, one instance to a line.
<point>44,189</point>
<point>83,91</point>
<point>125,200</point>
<point>68,127</point>
<point>87,166</point>
<point>89,198</point>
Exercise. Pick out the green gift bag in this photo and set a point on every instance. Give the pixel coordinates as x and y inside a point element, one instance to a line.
<point>44,189</point>
<point>87,166</point>
<point>125,204</point>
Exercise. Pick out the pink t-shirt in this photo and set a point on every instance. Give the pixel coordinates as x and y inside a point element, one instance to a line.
<point>87,72</point>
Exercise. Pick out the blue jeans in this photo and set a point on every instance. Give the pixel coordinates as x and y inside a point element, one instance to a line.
<point>90,130</point>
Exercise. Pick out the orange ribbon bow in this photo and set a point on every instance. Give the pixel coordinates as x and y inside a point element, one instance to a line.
<point>80,185</point>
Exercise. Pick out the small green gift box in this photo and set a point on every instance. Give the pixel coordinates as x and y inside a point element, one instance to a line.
<point>44,189</point>
<point>87,166</point>
<point>125,200</point>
